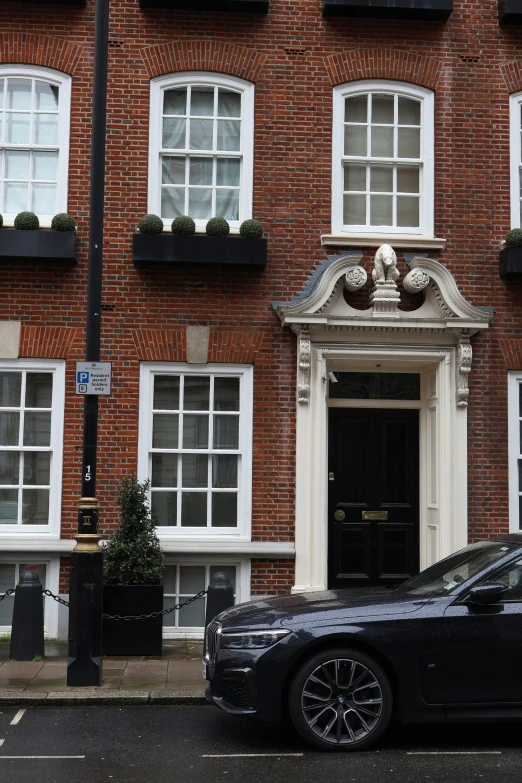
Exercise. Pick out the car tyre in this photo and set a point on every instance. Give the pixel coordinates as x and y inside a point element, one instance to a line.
<point>340,699</point>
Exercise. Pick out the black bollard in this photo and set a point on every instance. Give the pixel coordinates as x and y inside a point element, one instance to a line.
<point>27,633</point>
<point>220,596</point>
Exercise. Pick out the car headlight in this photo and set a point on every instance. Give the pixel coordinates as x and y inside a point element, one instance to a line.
<point>251,640</point>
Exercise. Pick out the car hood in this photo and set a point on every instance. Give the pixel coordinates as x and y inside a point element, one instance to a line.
<point>315,607</point>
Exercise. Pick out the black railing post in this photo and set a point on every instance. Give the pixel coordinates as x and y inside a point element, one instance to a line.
<point>220,596</point>
<point>86,588</point>
<point>27,632</point>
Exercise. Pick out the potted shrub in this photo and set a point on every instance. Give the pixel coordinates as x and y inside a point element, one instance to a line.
<point>184,246</point>
<point>133,569</point>
<point>511,254</point>
<point>27,240</point>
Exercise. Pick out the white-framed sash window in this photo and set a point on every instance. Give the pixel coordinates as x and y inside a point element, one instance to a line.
<point>12,568</point>
<point>515,143</point>
<point>184,577</point>
<point>195,446</point>
<point>515,450</point>
<point>35,106</point>
<point>31,446</point>
<point>201,143</point>
<point>383,159</point>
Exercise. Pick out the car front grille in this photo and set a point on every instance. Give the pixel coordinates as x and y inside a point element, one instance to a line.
<point>211,641</point>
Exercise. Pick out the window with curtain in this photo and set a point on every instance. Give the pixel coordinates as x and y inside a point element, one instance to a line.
<point>515,450</point>
<point>183,580</point>
<point>516,159</point>
<point>197,429</point>
<point>34,140</point>
<point>31,442</point>
<point>201,148</point>
<point>383,159</point>
<point>10,575</point>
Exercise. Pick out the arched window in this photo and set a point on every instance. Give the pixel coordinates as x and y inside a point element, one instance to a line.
<point>201,147</point>
<point>382,159</point>
<point>34,146</point>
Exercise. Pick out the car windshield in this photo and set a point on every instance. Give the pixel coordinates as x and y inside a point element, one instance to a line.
<point>446,575</point>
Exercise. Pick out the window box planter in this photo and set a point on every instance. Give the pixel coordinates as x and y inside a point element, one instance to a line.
<point>198,249</point>
<point>511,262</point>
<point>510,11</point>
<point>41,244</point>
<point>422,10</point>
<point>233,6</point>
<point>132,637</point>
<point>78,3</point>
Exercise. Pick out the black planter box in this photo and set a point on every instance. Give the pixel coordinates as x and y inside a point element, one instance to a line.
<point>510,11</point>
<point>234,6</point>
<point>42,243</point>
<point>50,2</point>
<point>132,637</point>
<point>511,262</point>
<point>421,10</point>
<point>198,249</point>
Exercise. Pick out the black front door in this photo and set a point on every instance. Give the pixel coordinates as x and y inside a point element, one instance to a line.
<point>373,496</point>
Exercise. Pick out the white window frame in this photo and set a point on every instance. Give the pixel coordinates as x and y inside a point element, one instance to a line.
<point>426,206</point>
<point>242,592</point>
<point>515,155</point>
<point>514,449</point>
<point>51,530</point>
<point>244,511</point>
<point>52,578</point>
<point>62,81</point>
<point>157,88</point>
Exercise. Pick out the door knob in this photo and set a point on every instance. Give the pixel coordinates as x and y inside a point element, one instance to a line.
<point>339,515</point>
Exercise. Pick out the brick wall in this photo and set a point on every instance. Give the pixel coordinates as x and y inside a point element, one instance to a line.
<point>295,57</point>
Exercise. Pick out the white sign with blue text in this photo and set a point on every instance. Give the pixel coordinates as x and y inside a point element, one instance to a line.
<point>93,378</point>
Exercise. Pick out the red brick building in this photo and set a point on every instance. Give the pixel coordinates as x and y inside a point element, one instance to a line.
<point>301,429</point>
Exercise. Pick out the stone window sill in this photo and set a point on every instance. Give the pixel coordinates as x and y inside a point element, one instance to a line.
<point>375,240</point>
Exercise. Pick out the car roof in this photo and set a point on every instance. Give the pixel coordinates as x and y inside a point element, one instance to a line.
<point>511,538</point>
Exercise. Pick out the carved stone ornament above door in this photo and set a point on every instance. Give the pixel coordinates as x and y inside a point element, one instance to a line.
<point>322,310</point>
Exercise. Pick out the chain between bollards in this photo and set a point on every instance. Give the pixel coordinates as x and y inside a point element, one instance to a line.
<point>126,616</point>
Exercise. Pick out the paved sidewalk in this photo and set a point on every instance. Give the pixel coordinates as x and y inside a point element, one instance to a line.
<point>173,678</point>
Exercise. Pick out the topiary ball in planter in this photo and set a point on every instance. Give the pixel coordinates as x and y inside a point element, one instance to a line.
<point>150,224</point>
<point>63,222</point>
<point>514,238</point>
<point>26,221</point>
<point>217,227</point>
<point>183,226</point>
<point>251,229</point>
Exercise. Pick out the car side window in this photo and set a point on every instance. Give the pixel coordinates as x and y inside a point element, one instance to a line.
<point>510,575</point>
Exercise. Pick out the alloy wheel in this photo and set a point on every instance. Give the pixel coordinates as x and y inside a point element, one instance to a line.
<point>342,701</point>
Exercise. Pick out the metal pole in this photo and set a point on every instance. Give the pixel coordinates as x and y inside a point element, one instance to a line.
<point>86,588</point>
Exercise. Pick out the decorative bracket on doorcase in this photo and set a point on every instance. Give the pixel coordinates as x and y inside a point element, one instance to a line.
<point>464,357</point>
<point>303,364</point>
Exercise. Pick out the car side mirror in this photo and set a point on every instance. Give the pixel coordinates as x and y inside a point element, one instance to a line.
<point>487,592</point>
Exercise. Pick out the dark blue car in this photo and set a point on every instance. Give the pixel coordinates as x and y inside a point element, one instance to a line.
<point>444,646</point>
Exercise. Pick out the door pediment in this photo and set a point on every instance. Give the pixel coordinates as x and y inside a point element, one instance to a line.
<point>322,303</point>
<point>322,308</point>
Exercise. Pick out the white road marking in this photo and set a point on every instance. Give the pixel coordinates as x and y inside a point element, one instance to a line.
<point>1,743</point>
<point>42,757</point>
<point>249,755</point>
<point>18,717</point>
<point>454,753</point>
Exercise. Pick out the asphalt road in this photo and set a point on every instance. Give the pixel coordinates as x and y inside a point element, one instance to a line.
<point>181,743</point>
